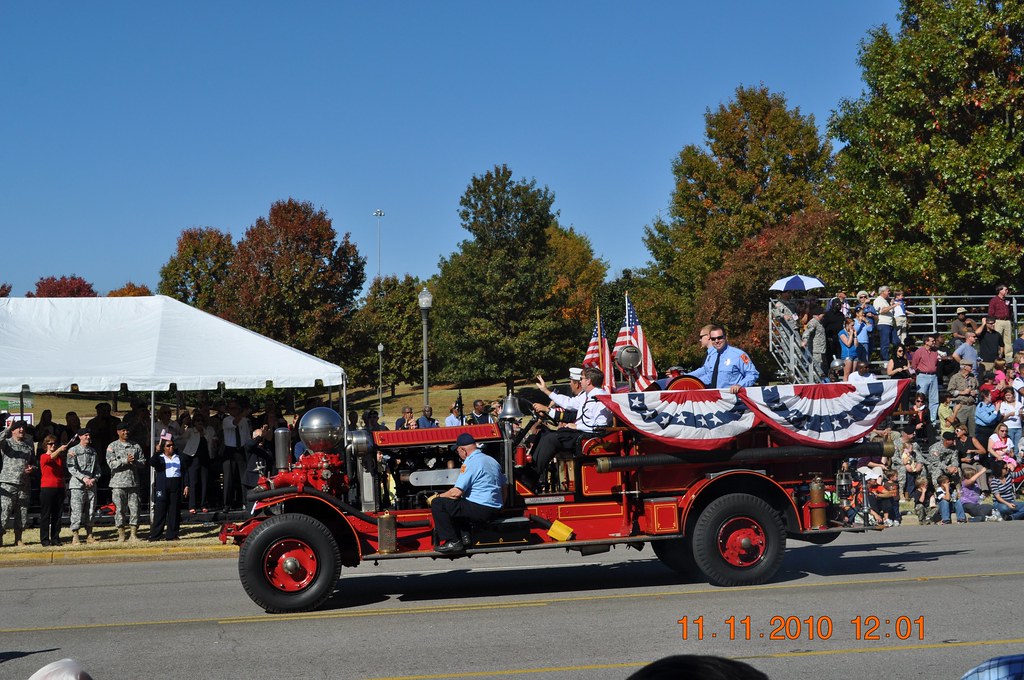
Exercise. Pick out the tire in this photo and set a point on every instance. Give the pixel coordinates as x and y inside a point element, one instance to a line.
<point>315,564</point>
<point>677,555</point>
<point>739,540</point>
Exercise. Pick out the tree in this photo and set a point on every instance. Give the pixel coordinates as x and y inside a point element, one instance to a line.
<point>290,280</point>
<point>130,290</point>
<point>763,163</point>
<point>496,315</point>
<point>65,286</point>
<point>578,276</point>
<point>389,315</point>
<point>930,178</point>
<point>736,296</point>
<point>198,271</point>
<point>5,290</point>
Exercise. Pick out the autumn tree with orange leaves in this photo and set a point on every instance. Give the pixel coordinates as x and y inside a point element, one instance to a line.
<point>131,289</point>
<point>293,280</point>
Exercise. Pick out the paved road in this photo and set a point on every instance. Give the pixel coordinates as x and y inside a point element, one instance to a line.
<point>546,614</point>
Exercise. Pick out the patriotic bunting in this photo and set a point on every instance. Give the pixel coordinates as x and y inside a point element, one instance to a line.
<point>694,419</point>
<point>825,416</point>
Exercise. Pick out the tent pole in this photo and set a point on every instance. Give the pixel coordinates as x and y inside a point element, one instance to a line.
<point>21,408</point>
<point>343,400</point>
<point>152,452</point>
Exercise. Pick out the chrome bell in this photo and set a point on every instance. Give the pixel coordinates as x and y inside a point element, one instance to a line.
<point>510,408</point>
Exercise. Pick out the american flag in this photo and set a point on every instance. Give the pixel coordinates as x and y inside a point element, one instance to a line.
<point>598,354</point>
<point>632,334</point>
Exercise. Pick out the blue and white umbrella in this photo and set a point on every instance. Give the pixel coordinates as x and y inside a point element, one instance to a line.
<point>797,282</point>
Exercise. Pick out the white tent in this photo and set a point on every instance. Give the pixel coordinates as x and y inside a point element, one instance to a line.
<point>148,343</point>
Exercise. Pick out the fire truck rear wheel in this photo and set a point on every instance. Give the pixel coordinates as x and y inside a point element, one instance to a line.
<point>677,555</point>
<point>289,563</point>
<point>739,540</point>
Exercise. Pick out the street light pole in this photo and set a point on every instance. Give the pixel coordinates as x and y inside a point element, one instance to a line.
<point>378,214</point>
<point>380,379</point>
<point>425,301</point>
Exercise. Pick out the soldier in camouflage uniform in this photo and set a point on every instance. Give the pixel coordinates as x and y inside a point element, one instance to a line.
<point>84,467</point>
<point>943,459</point>
<point>18,460</point>
<point>124,458</point>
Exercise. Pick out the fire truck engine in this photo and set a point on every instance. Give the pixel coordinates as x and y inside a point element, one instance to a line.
<point>715,482</point>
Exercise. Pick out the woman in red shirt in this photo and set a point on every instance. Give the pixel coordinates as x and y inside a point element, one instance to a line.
<point>51,490</point>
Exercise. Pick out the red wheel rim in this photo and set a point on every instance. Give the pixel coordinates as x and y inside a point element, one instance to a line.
<point>290,565</point>
<point>741,542</point>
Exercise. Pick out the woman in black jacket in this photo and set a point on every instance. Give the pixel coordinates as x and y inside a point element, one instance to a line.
<point>168,489</point>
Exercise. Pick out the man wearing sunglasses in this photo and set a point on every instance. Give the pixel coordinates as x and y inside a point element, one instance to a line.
<point>726,367</point>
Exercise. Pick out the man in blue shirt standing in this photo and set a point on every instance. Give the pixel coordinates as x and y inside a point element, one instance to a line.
<point>478,495</point>
<point>726,367</point>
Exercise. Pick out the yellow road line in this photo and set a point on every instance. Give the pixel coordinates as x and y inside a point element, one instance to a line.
<point>783,655</point>
<point>515,671</point>
<point>428,609</point>
<point>378,612</point>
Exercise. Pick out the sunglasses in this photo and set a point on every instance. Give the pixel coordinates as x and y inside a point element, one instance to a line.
<point>716,338</point>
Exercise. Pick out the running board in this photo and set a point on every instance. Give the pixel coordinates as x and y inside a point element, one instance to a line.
<point>568,545</point>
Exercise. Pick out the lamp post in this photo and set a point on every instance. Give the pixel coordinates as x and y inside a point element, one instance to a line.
<point>380,379</point>
<point>425,301</point>
<point>378,214</point>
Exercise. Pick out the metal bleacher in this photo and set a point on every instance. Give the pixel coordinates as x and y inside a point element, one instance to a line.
<point>926,314</point>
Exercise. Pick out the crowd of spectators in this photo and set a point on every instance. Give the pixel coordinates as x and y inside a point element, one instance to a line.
<point>203,462</point>
<point>957,431</point>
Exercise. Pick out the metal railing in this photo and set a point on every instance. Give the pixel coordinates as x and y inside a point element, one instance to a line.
<point>926,315</point>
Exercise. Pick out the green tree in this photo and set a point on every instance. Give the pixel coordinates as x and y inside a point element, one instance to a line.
<point>496,315</point>
<point>389,315</point>
<point>291,281</point>
<point>930,177</point>
<point>5,290</point>
<point>763,163</point>
<point>197,273</point>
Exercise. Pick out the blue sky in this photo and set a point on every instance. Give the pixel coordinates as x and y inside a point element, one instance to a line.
<point>123,123</point>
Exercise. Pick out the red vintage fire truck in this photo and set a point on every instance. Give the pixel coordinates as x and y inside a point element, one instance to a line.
<point>716,482</point>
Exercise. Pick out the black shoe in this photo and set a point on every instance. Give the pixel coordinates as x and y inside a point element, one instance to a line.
<point>451,548</point>
<point>45,544</point>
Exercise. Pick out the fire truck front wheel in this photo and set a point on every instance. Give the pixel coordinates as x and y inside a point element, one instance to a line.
<point>289,563</point>
<point>739,540</point>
